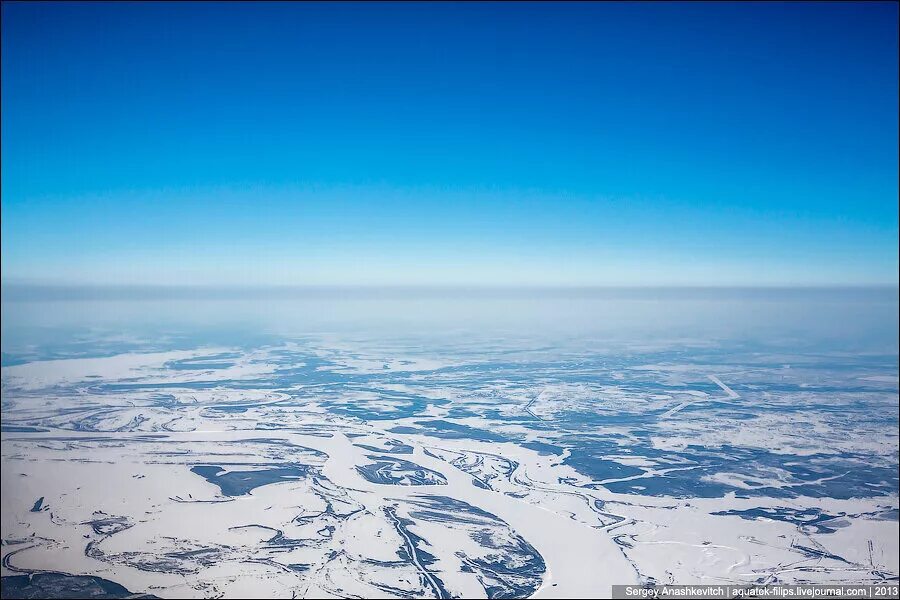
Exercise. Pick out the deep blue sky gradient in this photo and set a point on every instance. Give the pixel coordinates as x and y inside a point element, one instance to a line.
<point>573,144</point>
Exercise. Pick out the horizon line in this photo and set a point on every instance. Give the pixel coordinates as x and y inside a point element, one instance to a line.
<point>11,290</point>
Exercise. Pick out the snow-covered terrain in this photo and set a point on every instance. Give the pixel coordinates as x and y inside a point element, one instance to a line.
<point>320,468</point>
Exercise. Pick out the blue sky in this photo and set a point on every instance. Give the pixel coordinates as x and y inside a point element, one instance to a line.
<point>657,144</point>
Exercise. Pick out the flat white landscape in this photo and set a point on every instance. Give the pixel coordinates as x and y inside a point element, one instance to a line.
<point>312,470</point>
